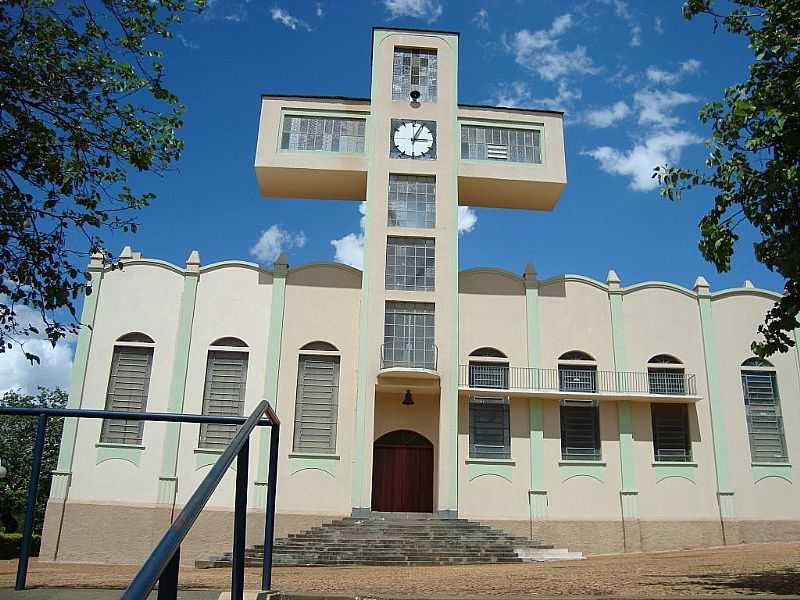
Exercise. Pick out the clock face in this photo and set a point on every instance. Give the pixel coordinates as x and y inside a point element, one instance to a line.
<point>413,139</point>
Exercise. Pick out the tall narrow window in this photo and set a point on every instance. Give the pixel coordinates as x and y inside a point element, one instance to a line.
<point>501,143</point>
<point>316,406</point>
<point>580,430</point>
<point>577,372</point>
<point>226,377</point>
<point>410,263</point>
<point>414,69</point>
<point>127,389</point>
<point>666,375</point>
<point>489,427</point>
<point>762,405</point>
<point>323,134</point>
<point>671,432</point>
<point>412,201</point>
<point>409,335</point>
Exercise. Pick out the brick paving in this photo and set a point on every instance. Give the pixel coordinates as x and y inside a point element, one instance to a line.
<point>757,569</point>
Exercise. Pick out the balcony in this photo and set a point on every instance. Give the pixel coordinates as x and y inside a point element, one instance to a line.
<point>408,366</point>
<point>573,382</point>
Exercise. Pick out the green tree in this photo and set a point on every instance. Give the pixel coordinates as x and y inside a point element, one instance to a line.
<point>17,437</point>
<point>82,103</point>
<point>753,162</point>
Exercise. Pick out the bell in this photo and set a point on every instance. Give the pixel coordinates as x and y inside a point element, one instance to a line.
<point>407,399</point>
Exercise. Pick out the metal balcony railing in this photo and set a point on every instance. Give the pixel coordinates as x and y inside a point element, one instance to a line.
<point>574,379</point>
<point>410,355</point>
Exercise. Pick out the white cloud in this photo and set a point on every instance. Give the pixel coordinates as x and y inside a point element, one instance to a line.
<point>54,368</point>
<point>658,76</point>
<point>281,16</point>
<point>639,162</point>
<point>318,10</point>
<point>275,240</point>
<point>539,51</point>
<point>187,43</point>
<point>607,116</point>
<point>350,248</point>
<point>466,219</point>
<point>636,36</point>
<point>658,26</point>
<point>518,94</point>
<point>656,107</point>
<point>481,19</point>
<point>430,10</point>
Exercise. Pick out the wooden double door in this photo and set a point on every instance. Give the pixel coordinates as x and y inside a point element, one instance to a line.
<point>402,473</point>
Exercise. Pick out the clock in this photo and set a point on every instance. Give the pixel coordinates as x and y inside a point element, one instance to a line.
<point>413,139</point>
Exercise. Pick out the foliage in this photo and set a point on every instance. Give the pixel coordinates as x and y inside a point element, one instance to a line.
<point>10,544</point>
<point>17,437</point>
<point>754,153</point>
<point>82,103</point>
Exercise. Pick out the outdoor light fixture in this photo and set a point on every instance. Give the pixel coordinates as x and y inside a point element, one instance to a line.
<point>407,399</point>
<point>415,94</point>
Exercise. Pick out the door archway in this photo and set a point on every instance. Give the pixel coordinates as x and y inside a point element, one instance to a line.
<point>402,473</point>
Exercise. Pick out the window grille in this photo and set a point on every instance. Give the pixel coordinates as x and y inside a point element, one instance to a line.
<point>410,263</point>
<point>226,376</point>
<point>580,430</point>
<point>323,134</point>
<point>409,335</point>
<point>764,421</point>
<point>501,143</point>
<point>316,405</point>
<point>577,378</point>
<point>671,432</point>
<point>412,201</point>
<point>414,69</point>
<point>489,428</point>
<point>488,375</point>
<point>666,381</point>
<point>127,391</point>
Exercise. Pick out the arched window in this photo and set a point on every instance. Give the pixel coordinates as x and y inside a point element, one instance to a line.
<point>320,346</point>
<point>316,410</point>
<point>763,410</point>
<point>488,368</point>
<point>577,372</point>
<point>666,375</point>
<point>224,391</point>
<point>136,337</point>
<point>229,342</point>
<point>575,355</point>
<point>128,386</point>
<point>487,352</point>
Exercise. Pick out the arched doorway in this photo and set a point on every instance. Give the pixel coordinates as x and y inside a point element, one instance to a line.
<point>402,473</point>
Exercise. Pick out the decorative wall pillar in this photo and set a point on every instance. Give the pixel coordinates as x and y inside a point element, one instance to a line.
<point>537,495</point>
<point>725,493</point>
<point>168,477</point>
<point>629,494</point>
<point>280,269</point>
<point>62,476</point>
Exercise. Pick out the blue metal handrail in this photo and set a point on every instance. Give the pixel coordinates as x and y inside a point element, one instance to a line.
<point>162,564</point>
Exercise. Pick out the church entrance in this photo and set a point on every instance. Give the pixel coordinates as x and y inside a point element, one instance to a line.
<point>402,473</point>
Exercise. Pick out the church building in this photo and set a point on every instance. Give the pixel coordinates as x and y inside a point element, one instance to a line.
<point>597,415</point>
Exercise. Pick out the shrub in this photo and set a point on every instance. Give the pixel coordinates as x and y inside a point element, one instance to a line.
<point>10,543</point>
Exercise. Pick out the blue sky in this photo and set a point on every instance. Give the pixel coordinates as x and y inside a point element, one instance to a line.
<point>630,75</point>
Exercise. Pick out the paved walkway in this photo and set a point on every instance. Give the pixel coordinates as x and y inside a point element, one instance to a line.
<point>768,570</point>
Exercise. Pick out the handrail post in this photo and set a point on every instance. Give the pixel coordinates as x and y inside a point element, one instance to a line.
<point>168,582</point>
<point>269,524</point>
<point>240,522</point>
<point>33,486</point>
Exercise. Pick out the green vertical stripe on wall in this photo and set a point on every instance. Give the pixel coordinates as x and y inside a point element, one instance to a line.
<point>79,366</point>
<point>177,388</point>
<point>535,405</point>
<point>718,432</point>
<point>626,457</point>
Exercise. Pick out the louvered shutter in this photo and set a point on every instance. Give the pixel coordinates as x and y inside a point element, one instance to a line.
<point>764,421</point>
<point>580,431</point>
<point>489,428</point>
<point>226,375</point>
<point>127,391</point>
<point>316,407</point>
<point>671,432</point>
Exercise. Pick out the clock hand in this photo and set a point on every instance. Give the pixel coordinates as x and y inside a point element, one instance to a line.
<point>414,137</point>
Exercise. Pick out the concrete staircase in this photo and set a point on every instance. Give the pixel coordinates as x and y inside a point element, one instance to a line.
<point>399,539</point>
